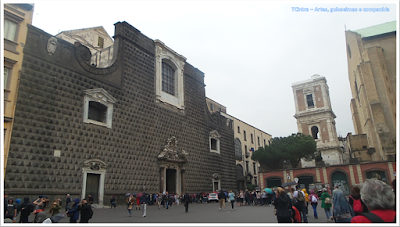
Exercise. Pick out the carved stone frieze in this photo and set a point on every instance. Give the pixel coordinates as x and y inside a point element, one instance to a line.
<point>51,45</point>
<point>171,153</point>
<point>215,135</point>
<point>216,176</point>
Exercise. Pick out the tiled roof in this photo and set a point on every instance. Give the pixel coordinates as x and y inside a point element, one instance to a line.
<point>377,29</point>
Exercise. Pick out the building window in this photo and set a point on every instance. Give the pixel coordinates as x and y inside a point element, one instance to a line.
<point>10,30</point>
<point>100,42</point>
<point>247,166</point>
<point>265,144</point>
<point>214,141</point>
<point>254,168</point>
<point>310,101</point>
<point>98,107</point>
<point>245,149</point>
<point>211,105</point>
<point>258,140</point>
<point>251,135</point>
<point>169,76</point>
<point>314,131</point>
<point>6,73</point>
<point>238,129</point>
<point>244,135</point>
<point>255,181</point>
<point>97,112</point>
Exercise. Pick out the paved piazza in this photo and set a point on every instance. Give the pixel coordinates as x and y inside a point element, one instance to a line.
<point>198,213</point>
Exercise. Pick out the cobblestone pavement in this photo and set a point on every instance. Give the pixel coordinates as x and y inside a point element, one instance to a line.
<point>198,213</point>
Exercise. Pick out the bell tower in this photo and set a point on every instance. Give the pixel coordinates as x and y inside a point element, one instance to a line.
<point>315,117</point>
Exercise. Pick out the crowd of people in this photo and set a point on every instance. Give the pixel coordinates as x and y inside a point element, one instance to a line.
<point>374,203</point>
<point>46,212</point>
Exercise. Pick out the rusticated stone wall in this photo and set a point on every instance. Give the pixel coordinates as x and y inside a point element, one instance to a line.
<point>49,117</point>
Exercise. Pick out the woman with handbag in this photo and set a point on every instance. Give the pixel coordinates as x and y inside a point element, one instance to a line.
<point>326,204</point>
<point>130,203</point>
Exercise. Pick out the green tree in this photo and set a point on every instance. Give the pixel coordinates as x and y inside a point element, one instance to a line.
<point>292,148</point>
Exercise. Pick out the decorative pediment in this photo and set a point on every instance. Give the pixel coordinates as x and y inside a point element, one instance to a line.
<point>171,153</point>
<point>215,135</point>
<point>216,176</point>
<point>94,164</point>
<point>100,95</point>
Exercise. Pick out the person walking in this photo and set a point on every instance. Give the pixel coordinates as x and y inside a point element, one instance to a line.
<point>231,196</point>
<point>74,211</point>
<point>241,197</point>
<point>186,200</point>
<point>258,195</point>
<point>299,198</point>
<point>313,198</point>
<point>307,201</point>
<point>86,211</point>
<point>166,200</point>
<point>283,206</point>
<point>130,201</point>
<point>68,202</point>
<point>26,209</point>
<point>263,198</point>
<point>159,200</point>
<point>326,204</point>
<point>221,198</point>
<point>341,209</point>
<point>379,198</point>
<point>144,200</point>
<point>356,202</point>
<point>113,202</point>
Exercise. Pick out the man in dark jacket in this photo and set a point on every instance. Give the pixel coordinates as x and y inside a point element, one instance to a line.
<point>186,200</point>
<point>86,211</point>
<point>144,200</point>
<point>74,211</point>
<point>26,209</point>
<point>221,198</point>
<point>11,211</point>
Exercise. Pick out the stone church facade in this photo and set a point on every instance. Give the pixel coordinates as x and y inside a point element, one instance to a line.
<point>140,124</point>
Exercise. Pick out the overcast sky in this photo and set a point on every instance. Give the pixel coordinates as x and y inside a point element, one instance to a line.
<point>250,51</point>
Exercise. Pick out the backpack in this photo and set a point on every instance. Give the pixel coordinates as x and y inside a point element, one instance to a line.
<point>314,199</point>
<point>300,196</point>
<point>327,200</point>
<point>357,206</point>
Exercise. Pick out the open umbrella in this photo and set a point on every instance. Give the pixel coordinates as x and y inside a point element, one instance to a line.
<point>268,191</point>
<point>41,216</point>
<point>56,218</point>
<point>288,184</point>
<point>43,196</point>
<point>139,194</point>
<point>128,194</point>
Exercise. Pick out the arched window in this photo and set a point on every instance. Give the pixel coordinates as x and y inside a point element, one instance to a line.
<point>238,150</point>
<point>314,131</point>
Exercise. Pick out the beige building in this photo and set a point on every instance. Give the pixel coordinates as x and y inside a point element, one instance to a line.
<point>247,140</point>
<point>315,117</point>
<point>100,44</point>
<point>16,18</point>
<point>371,57</point>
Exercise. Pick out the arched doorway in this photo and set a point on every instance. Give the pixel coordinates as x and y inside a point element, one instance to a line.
<point>240,177</point>
<point>377,174</point>
<point>273,182</point>
<point>305,181</point>
<point>340,179</point>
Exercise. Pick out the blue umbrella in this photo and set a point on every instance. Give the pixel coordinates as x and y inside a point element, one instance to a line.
<point>268,191</point>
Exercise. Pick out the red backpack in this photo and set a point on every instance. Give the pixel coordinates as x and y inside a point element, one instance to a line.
<point>357,206</point>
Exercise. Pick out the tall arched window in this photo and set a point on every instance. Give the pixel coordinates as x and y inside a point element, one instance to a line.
<point>314,131</point>
<point>238,150</point>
